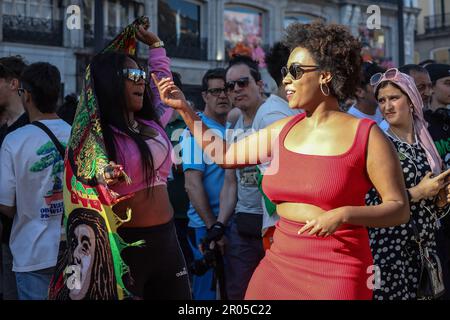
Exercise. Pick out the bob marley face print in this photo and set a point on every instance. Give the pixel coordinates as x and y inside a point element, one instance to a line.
<point>87,269</point>
<point>90,256</point>
<point>83,257</point>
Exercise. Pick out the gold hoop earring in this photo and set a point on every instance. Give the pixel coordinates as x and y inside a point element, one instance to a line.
<point>328,90</point>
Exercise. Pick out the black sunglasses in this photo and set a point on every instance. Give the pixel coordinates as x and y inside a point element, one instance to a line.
<point>296,70</point>
<point>22,88</point>
<point>134,75</point>
<point>241,82</point>
<point>217,91</point>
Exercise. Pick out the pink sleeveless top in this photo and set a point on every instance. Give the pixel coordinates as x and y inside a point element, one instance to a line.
<point>129,157</point>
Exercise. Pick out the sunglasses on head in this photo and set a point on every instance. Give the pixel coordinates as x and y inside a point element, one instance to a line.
<point>296,70</point>
<point>217,91</point>
<point>390,74</point>
<point>241,82</point>
<point>134,75</point>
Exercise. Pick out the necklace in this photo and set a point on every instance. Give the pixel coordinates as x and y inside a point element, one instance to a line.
<point>403,155</point>
<point>403,140</point>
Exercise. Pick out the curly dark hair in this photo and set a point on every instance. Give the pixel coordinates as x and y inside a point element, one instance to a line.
<point>334,49</point>
<point>276,59</point>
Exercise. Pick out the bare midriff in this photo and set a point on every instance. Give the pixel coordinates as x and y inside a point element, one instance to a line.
<point>299,212</point>
<point>149,207</point>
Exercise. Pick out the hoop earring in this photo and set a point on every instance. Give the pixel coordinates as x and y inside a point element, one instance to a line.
<point>328,90</point>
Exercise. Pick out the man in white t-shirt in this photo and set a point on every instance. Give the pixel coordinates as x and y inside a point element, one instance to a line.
<point>366,105</point>
<point>31,171</point>
<point>273,109</point>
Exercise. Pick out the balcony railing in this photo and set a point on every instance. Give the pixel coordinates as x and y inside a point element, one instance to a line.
<point>186,46</point>
<point>32,30</point>
<point>437,23</point>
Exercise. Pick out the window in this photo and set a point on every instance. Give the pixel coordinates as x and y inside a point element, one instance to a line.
<point>28,8</point>
<point>179,20</point>
<point>46,9</point>
<point>34,7</point>
<point>21,8</point>
<point>243,29</point>
<point>32,21</point>
<point>88,12</point>
<point>117,14</point>
<point>8,7</point>
<point>179,28</point>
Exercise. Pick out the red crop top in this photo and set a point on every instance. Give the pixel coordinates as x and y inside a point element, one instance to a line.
<point>328,182</point>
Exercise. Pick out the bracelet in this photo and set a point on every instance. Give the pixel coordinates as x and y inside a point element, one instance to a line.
<point>217,224</point>
<point>157,44</point>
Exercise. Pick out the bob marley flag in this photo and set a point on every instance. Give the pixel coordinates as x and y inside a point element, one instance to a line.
<point>89,263</point>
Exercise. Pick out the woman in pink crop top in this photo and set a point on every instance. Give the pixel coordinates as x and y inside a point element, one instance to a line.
<point>323,162</point>
<point>133,120</point>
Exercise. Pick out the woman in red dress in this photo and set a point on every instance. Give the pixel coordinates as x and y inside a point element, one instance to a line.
<point>323,162</point>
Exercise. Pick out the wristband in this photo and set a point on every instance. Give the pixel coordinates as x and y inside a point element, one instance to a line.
<point>157,44</point>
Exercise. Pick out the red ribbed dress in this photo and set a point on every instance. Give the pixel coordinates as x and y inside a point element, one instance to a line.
<point>309,267</point>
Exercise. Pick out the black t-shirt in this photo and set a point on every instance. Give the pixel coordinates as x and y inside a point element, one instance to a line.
<point>4,130</point>
<point>439,128</point>
<point>177,193</point>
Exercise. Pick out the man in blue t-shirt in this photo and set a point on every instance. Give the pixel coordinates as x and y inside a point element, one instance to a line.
<point>204,179</point>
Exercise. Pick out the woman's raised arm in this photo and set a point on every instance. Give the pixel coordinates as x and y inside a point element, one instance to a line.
<point>254,149</point>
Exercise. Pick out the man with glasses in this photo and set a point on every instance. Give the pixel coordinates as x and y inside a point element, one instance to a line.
<point>366,105</point>
<point>204,179</point>
<point>14,117</point>
<point>31,172</point>
<point>422,81</point>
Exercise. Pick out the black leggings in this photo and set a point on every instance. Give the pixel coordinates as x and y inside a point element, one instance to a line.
<point>157,269</point>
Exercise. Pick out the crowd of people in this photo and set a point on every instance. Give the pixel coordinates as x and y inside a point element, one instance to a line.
<point>334,186</point>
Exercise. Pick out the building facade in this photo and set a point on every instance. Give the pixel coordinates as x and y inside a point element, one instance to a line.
<point>433,31</point>
<point>198,34</point>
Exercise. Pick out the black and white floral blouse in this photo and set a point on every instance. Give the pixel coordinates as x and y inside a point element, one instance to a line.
<point>395,252</point>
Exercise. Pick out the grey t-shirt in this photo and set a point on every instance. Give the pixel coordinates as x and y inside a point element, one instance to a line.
<point>272,110</point>
<point>249,197</point>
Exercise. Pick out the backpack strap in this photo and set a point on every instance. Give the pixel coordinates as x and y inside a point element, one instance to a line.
<point>55,140</point>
